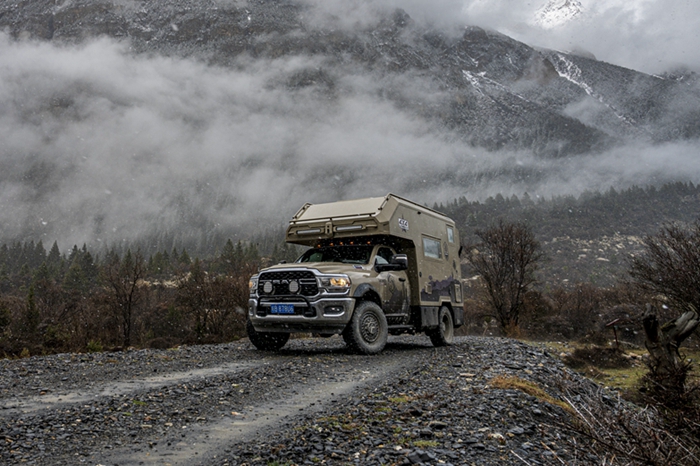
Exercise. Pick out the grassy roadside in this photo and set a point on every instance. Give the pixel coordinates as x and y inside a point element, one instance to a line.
<point>617,370</point>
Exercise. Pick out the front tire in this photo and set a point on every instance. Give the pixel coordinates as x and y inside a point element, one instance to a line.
<point>368,330</point>
<point>444,334</point>
<point>266,341</point>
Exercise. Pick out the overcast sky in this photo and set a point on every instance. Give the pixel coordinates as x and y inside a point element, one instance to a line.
<point>647,35</point>
<point>99,145</point>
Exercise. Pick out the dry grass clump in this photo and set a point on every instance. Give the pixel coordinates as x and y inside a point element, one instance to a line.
<point>526,386</point>
<point>625,433</point>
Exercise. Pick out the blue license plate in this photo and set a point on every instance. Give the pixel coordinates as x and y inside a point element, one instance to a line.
<point>281,309</point>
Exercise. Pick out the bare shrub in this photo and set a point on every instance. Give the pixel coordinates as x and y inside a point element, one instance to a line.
<point>668,369</point>
<point>623,433</point>
<point>506,260</point>
<point>670,265</point>
<point>12,339</point>
<point>581,312</point>
<point>669,269</point>
<point>125,292</point>
<point>214,303</point>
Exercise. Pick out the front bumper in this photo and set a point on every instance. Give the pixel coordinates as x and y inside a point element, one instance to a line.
<point>327,315</point>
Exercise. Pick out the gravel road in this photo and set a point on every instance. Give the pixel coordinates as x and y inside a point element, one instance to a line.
<point>310,403</point>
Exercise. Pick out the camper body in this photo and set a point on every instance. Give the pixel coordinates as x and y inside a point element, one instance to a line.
<point>375,266</point>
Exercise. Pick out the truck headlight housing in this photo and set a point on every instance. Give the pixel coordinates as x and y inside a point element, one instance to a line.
<point>338,283</point>
<point>253,284</point>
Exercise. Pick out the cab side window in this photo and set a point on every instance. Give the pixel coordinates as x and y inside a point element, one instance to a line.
<point>384,256</point>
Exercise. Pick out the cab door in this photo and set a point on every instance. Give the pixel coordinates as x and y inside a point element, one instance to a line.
<point>395,290</point>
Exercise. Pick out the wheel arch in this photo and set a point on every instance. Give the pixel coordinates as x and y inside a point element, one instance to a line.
<point>366,292</point>
<point>456,311</point>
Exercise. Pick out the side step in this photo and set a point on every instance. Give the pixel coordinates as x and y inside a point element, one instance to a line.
<point>399,329</point>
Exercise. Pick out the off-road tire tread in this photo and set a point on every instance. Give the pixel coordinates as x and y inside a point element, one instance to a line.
<point>443,336</point>
<point>353,336</point>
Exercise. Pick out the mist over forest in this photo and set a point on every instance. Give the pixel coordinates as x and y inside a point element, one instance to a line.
<point>221,118</point>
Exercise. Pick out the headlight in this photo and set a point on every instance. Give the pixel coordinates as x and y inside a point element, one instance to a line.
<point>253,284</point>
<point>336,283</point>
<point>339,282</point>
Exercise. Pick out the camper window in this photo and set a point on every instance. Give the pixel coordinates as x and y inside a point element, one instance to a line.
<point>450,235</point>
<point>431,248</point>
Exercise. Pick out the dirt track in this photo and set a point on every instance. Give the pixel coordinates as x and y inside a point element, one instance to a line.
<point>311,402</point>
<point>178,415</point>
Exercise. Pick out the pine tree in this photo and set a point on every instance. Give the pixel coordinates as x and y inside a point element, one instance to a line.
<point>42,276</point>
<point>39,255</point>
<point>252,255</point>
<point>31,316</point>
<point>75,279</point>
<point>185,258</point>
<point>239,256</point>
<point>228,254</point>
<point>54,256</point>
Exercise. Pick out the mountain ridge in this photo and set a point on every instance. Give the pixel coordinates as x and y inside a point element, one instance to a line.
<point>497,65</point>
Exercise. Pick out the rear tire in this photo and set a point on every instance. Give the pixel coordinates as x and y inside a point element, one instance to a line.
<point>266,341</point>
<point>368,330</point>
<point>444,334</point>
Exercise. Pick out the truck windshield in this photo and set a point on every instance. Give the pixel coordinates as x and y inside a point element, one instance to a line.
<point>346,254</point>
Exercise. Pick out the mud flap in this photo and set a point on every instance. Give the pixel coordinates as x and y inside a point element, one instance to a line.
<point>429,316</point>
<point>458,314</point>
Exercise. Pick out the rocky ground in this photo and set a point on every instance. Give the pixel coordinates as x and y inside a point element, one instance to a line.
<point>311,403</point>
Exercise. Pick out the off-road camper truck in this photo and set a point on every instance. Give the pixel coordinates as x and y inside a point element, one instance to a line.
<point>375,266</point>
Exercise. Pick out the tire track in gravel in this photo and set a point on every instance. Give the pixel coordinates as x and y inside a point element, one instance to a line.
<point>33,404</point>
<point>205,442</point>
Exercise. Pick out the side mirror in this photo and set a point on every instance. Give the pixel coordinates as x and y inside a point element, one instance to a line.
<point>400,260</point>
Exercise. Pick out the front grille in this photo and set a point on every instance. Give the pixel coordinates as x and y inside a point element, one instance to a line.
<point>280,280</point>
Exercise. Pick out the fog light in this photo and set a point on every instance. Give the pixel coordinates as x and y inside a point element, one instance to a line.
<point>333,310</point>
<point>294,286</point>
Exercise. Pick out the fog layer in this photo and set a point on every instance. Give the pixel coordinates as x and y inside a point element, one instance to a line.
<point>99,145</point>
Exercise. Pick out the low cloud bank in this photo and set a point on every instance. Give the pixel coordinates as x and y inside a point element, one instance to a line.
<point>100,146</point>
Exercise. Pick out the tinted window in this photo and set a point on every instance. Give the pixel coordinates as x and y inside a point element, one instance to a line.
<point>346,254</point>
<point>384,256</point>
<point>431,248</point>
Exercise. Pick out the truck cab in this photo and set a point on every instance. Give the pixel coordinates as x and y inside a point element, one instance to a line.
<point>375,267</point>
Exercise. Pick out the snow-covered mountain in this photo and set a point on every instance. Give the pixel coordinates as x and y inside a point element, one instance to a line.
<point>557,13</point>
<point>502,93</point>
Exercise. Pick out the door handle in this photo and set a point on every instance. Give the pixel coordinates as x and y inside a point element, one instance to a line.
<point>402,279</point>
